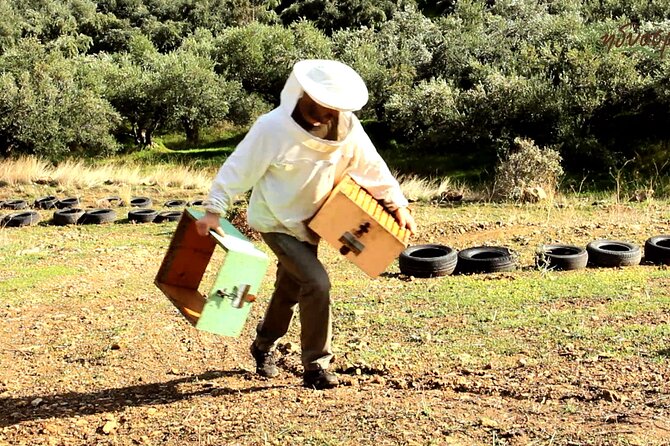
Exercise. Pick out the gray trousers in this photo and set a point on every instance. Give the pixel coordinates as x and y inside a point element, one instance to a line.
<point>303,281</point>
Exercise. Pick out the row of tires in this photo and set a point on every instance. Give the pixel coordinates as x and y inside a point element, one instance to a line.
<point>73,216</point>
<point>53,202</point>
<point>435,260</point>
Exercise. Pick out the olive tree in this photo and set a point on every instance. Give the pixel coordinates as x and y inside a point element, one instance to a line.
<point>261,56</point>
<point>52,106</point>
<point>162,92</point>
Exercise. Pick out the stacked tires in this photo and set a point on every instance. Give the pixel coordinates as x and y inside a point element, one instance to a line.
<point>67,211</point>
<point>428,261</point>
<point>434,260</point>
<point>657,250</point>
<point>613,253</point>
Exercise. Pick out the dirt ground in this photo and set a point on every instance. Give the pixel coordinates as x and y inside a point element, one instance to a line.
<point>90,366</point>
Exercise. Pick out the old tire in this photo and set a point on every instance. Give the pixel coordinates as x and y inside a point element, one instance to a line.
<point>17,219</point>
<point>113,201</point>
<point>175,204</point>
<point>70,202</point>
<point>69,216</point>
<point>612,253</point>
<point>167,216</point>
<point>141,202</point>
<point>98,216</point>
<point>657,249</point>
<point>142,215</point>
<point>428,261</point>
<point>561,257</point>
<point>197,203</point>
<point>15,205</point>
<point>46,202</point>
<point>486,259</point>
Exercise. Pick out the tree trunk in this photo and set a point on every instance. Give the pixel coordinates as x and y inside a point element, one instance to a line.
<point>192,131</point>
<point>6,147</point>
<point>6,150</point>
<point>137,134</point>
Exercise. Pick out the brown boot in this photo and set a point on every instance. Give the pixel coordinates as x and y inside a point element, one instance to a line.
<point>320,379</point>
<point>265,362</point>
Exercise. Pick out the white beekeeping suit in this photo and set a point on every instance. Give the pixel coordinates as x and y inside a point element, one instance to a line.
<point>290,170</point>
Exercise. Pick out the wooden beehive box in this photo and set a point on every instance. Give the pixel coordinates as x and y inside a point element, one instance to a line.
<point>361,228</point>
<point>223,309</point>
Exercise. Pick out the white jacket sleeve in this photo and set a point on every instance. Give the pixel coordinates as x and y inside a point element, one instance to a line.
<point>370,171</point>
<point>242,169</point>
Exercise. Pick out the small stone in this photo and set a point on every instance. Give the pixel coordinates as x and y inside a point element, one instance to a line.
<point>36,402</point>
<point>464,358</point>
<point>377,379</point>
<point>51,428</point>
<point>488,422</point>
<point>110,427</point>
<point>291,347</point>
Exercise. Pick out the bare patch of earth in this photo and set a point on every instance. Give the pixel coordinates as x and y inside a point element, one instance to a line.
<point>94,367</point>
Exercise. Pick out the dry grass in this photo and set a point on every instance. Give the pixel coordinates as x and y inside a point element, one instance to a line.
<point>82,175</point>
<point>24,170</point>
<point>78,174</point>
<point>424,190</point>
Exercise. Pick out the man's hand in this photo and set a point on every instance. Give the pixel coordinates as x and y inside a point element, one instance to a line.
<point>405,219</point>
<point>210,221</point>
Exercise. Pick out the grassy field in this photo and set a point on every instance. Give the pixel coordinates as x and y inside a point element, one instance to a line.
<point>93,353</point>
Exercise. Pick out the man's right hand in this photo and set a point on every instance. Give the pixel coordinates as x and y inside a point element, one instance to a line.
<point>210,221</point>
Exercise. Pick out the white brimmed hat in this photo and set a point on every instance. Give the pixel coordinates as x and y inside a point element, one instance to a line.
<point>331,84</point>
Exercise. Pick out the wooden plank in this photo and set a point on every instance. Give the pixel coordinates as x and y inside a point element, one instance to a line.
<point>189,302</point>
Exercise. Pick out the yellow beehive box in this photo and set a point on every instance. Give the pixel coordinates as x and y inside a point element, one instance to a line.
<point>361,228</point>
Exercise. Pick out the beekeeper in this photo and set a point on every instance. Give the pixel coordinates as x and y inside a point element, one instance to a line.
<point>292,157</point>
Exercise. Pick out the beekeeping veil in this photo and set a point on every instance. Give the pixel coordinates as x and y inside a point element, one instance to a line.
<point>330,83</point>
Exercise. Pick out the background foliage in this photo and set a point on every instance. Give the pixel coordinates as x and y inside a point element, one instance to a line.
<point>449,78</point>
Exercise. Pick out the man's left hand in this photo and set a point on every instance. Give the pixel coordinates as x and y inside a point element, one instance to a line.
<point>405,219</point>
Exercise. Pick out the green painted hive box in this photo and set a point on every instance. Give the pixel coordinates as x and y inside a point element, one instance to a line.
<point>223,309</point>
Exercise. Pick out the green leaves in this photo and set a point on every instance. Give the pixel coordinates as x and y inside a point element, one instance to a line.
<point>163,92</point>
<point>51,105</point>
<point>261,56</point>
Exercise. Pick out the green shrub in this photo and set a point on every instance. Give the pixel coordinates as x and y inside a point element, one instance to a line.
<point>527,172</point>
<point>391,59</point>
<point>426,111</point>
<point>262,56</point>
